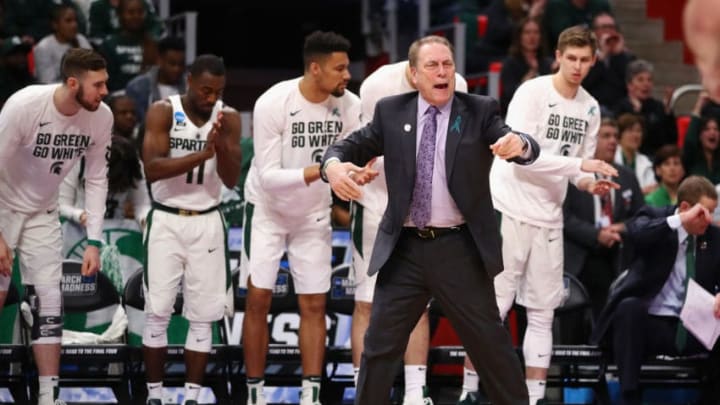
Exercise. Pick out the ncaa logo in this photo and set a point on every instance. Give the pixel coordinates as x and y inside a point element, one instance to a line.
<point>179,119</point>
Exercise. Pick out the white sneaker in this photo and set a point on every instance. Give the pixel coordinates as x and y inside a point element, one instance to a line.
<point>256,397</point>
<point>60,402</point>
<point>419,398</point>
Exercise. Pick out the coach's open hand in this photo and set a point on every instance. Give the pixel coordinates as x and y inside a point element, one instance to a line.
<point>345,178</point>
<point>508,146</point>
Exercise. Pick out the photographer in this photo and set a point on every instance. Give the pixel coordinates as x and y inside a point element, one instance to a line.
<point>606,80</point>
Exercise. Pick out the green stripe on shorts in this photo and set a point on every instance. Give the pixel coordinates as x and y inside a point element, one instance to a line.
<point>356,226</point>
<point>247,226</point>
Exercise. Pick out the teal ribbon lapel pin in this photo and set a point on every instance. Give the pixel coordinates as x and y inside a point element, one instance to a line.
<point>456,125</point>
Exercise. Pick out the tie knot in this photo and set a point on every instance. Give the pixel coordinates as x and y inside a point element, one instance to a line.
<point>432,111</point>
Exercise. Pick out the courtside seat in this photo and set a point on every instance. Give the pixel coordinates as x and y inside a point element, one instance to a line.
<point>94,351</point>
<point>217,371</point>
<point>14,361</point>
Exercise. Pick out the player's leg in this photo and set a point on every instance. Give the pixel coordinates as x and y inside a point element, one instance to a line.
<point>309,253</point>
<point>205,285</point>
<point>416,353</point>
<point>516,244</point>
<point>164,265</point>
<point>363,229</point>
<point>10,226</point>
<point>263,247</point>
<point>541,292</point>
<point>39,247</point>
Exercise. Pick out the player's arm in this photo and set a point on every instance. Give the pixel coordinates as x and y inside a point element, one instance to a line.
<point>156,146</point>
<point>227,147</point>
<point>67,197</point>
<point>268,125</point>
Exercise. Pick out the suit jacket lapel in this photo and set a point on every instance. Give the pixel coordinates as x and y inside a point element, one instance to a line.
<point>455,130</point>
<point>408,136</point>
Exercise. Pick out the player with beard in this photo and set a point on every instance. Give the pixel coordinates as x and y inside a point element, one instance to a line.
<point>288,208</point>
<point>44,131</point>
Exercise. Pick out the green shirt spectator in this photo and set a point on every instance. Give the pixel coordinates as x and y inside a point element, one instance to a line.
<point>104,20</point>
<point>660,198</point>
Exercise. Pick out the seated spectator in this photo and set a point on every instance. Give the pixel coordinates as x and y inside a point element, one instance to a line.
<point>669,172</point>
<point>527,60</point>
<point>594,226</point>
<point>125,122</point>
<point>131,50</point>
<point>503,16</point>
<point>701,155</point>
<point>606,79</point>
<point>561,14</point>
<point>14,72</point>
<point>660,127</point>
<point>629,155</point>
<point>126,185</point>
<point>30,20</point>
<point>164,79</point>
<point>104,20</point>
<point>49,51</point>
<point>641,318</point>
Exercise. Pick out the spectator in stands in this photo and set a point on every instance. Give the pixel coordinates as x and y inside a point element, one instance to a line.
<point>126,183</point>
<point>561,14</point>
<point>105,20</point>
<point>606,80</point>
<point>49,51</point>
<point>30,19</point>
<point>527,60</point>
<point>166,78</point>
<point>125,119</point>
<point>131,50</point>
<point>702,34</point>
<point>701,155</point>
<point>503,17</point>
<point>628,154</point>
<point>669,172</point>
<point>594,226</point>
<point>672,244</point>
<point>659,121</point>
<point>14,73</point>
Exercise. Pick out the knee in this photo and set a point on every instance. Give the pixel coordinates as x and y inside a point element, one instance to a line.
<point>155,331</point>
<point>45,303</point>
<point>258,302</point>
<point>199,337</point>
<point>312,305</point>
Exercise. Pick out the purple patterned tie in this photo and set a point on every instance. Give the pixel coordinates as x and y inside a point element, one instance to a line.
<point>422,193</point>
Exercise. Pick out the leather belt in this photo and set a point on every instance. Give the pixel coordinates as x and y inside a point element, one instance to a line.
<point>431,232</point>
<point>180,211</point>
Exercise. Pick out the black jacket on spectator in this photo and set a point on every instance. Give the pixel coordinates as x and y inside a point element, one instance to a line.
<point>659,128</point>
<point>606,79</point>
<point>513,70</point>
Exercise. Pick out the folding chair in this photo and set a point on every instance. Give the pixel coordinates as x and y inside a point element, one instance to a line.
<point>217,371</point>
<point>94,352</point>
<point>14,361</point>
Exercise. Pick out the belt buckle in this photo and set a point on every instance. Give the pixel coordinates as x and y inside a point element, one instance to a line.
<point>426,233</point>
<point>186,213</point>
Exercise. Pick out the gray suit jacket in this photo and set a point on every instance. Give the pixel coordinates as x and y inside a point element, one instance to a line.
<point>474,125</point>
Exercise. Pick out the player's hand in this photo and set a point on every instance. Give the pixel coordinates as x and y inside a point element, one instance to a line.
<point>608,237</point>
<point>716,306</point>
<point>209,150</point>
<point>366,175</point>
<point>508,146</point>
<point>697,217</point>
<point>598,187</point>
<point>598,166</point>
<point>6,258</point>
<point>341,181</point>
<point>83,219</point>
<point>91,261</point>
